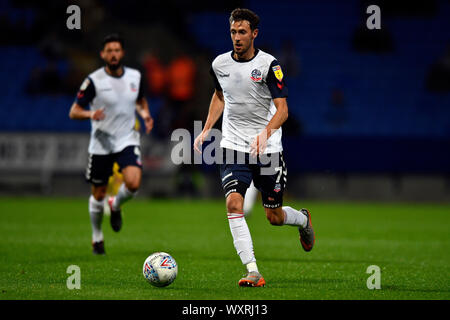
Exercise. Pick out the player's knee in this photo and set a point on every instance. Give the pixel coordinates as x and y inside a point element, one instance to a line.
<point>274,218</point>
<point>235,203</point>
<point>99,193</point>
<point>132,177</point>
<point>234,206</point>
<point>133,186</point>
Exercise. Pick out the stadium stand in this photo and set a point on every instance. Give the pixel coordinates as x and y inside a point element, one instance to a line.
<point>383,97</point>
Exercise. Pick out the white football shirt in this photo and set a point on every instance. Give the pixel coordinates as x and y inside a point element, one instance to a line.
<point>117,95</point>
<point>249,88</point>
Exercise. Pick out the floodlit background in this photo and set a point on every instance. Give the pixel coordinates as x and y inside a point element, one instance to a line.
<point>369,109</point>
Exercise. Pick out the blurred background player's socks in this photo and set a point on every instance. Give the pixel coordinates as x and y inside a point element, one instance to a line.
<point>96,214</point>
<point>242,239</point>
<point>294,217</point>
<point>122,196</point>
<point>250,197</point>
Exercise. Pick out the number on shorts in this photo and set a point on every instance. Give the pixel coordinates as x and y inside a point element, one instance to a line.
<point>280,169</point>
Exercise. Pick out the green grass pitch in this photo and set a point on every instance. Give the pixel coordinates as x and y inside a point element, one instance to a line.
<point>41,237</point>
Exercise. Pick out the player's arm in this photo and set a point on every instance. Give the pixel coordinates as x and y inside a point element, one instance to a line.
<point>216,107</point>
<point>215,110</point>
<point>260,143</point>
<point>144,112</point>
<point>142,108</point>
<point>278,90</point>
<point>279,117</point>
<point>79,111</point>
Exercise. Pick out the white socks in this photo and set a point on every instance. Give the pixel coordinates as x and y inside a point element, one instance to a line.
<point>294,217</point>
<point>96,214</point>
<point>96,210</point>
<point>242,239</point>
<point>122,196</point>
<point>252,267</point>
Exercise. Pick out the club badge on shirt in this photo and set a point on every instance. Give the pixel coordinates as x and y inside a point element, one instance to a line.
<point>256,75</point>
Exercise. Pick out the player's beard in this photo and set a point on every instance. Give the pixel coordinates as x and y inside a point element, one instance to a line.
<point>114,67</point>
<point>243,51</point>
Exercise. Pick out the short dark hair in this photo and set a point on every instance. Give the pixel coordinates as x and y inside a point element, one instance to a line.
<point>113,37</point>
<point>240,14</point>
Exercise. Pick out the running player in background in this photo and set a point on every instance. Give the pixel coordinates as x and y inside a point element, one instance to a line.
<point>114,93</point>
<point>116,178</point>
<point>251,93</point>
<point>250,198</point>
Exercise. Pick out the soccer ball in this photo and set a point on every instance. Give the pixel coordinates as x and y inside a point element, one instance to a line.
<point>160,269</point>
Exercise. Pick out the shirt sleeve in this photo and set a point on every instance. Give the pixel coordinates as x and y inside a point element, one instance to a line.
<point>141,92</point>
<point>216,81</point>
<point>276,82</point>
<point>86,93</point>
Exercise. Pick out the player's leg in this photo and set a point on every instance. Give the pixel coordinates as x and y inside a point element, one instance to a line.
<point>132,176</point>
<point>275,216</point>
<point>298,218</point>
<point>242,239</point>
<point>272,188</point>
<point>302,219</point>
<point>97,173</point>
<point>96,215</point>
<point>235,181</point>
<point>250,198</point>
<point>131,169</point>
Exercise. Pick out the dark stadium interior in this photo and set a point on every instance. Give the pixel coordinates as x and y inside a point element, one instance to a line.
<point>369,109</point>
<point>366,146</point>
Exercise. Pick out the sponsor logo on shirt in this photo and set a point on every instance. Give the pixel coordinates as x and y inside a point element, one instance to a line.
<point>83,87</point>
<point>256,75</point>
<point>85,84</point>
<point>133,87</point>
<point>278,73</point>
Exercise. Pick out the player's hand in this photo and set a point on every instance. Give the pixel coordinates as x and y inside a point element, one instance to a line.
<point>259,144</point>
<point>148,121</point>
<point>199,140</point>
<point>98,114</point>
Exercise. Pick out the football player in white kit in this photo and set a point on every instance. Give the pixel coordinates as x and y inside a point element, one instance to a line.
<point>251,93</point>
<point>109,97</point>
